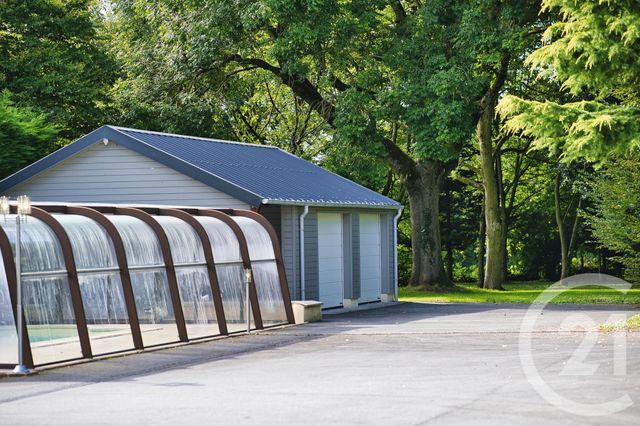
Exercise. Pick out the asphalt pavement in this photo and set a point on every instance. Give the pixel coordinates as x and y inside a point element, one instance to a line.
<point>406,364</point>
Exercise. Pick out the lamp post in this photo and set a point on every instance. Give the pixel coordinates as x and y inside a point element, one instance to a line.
<point>23,209</point>
<point>247,280</point>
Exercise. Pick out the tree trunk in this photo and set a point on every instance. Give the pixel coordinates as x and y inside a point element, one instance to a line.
<point>423,188</point>
<point>448,244</point>
<point>503,242</point>
<point>492,210</point>
<point>481,247</point>
<point>574,231</point>
<point>484,131</point>
<point>423,180</point>
<point>502,203</point>
<point>449,262</point>
<point>564,247</point>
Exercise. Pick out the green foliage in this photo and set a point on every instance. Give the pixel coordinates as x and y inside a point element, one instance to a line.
<point>533,243</point>
<point>594,53</point>
<point>396,84</point>
<point>25,136</point>
<point>190,114</point>
<point>415,80</point>
<point>339,82</point>
<point>270,114</point>
<point>54,62</point>
<point>591,130</point>
<point>460,218</point>
<point>353,164</point>
<point>594,47</point>
<point>616,219</point>
<point>404,264</point>
<point>178,78</point>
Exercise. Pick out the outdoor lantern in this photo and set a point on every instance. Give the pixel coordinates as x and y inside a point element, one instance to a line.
<point>24,205</point>
<point>247,306</point>
<point>5,208</point>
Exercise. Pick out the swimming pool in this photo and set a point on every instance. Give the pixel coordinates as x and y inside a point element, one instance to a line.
<point>46,333</point>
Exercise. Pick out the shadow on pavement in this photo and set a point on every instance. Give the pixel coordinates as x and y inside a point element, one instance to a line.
<point>401,318</point>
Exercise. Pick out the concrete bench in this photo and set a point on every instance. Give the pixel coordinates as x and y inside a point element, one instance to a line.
<point>306,311</point>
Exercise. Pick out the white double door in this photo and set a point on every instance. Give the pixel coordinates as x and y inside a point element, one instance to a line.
<point>331,259</point>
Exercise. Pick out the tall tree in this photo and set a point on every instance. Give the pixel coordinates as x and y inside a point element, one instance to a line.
<point>52,60</point>
<point>567,240</point>
<point>509,31</point>
<point>514,167</point>
<point>400,81</point>
<point>366,68</point>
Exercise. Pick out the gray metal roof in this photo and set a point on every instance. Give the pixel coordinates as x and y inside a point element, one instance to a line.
<point>256,174</point>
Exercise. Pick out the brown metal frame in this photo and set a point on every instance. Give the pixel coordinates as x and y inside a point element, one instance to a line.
<point>96,213</point>
<point>246,260</point>
<point>208,255</point>
<point>168,263</point>
<point>123,265</point>
<point>10,270</point>
<point>72,275</point>
<point>284,286</point>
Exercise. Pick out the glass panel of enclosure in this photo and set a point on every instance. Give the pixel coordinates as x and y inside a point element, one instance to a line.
<point>100,284</point>
<point>46,297</point>
<point>192,276</point>
<point>230,272</point>
<point>8,334</point>
<point>148,279</point>
<point>265,271</point>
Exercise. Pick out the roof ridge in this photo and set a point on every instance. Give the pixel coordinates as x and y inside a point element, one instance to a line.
<point>176,135</point>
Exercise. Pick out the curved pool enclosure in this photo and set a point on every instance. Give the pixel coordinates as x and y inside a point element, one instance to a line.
<point>105,279</point>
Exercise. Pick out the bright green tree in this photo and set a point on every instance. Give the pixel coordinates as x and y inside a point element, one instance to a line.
<point>594,52</point>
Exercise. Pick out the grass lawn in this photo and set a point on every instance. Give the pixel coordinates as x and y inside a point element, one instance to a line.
<point>520,292</point>
<point>633,323</point>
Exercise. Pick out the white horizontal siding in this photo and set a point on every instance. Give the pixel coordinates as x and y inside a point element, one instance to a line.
<point>114,174</point>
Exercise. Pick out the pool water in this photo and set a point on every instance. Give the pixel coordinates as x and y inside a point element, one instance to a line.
<point>51,333</point>
<point>44,334</point>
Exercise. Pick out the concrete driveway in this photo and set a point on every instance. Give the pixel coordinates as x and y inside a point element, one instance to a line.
<point>406,364</point>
